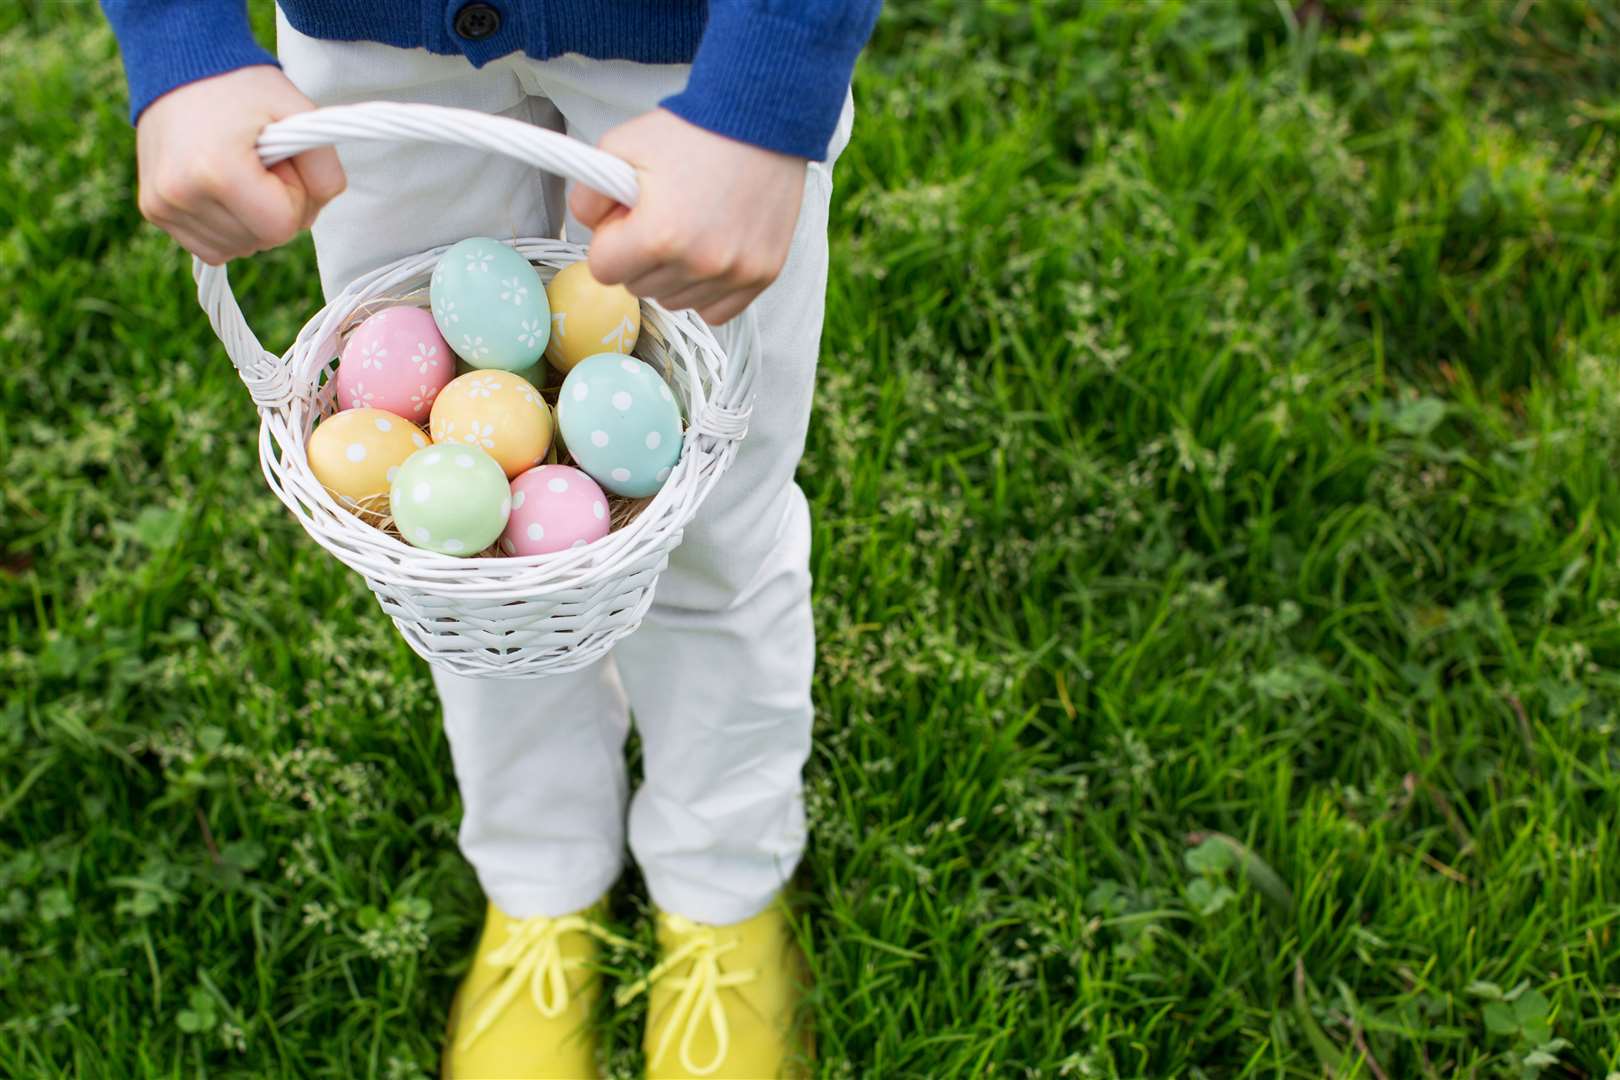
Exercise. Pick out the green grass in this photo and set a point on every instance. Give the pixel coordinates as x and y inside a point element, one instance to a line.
<point>1218,433</point>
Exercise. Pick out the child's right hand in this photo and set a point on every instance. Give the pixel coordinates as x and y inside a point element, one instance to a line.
<point>201,180</point>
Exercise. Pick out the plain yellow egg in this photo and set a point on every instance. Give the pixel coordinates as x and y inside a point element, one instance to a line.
<point>497,411</point>
<point>588,317</point>
<point>355,454</point>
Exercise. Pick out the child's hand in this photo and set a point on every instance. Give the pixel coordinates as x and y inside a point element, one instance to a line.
<point>200,179</point>
<point>714,222</point>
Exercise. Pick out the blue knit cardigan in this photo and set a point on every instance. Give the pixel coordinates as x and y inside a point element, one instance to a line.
<point>767,72</point>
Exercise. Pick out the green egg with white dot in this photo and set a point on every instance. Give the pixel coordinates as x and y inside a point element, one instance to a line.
<point>490,305</point>
<point>451,499</point>
<point>621,423</point>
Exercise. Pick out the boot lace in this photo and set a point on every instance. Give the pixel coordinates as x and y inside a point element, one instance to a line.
<point>533,958</point>
<point>699,1000</point>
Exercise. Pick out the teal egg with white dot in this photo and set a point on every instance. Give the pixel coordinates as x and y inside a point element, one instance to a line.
<point>451,499</point>
<point>490,305</point>
<point>621,423</point>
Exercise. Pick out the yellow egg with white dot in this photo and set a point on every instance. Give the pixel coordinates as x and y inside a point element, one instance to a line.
<point>500,413</point>
<point>356,453</point>
<point>588,317</point>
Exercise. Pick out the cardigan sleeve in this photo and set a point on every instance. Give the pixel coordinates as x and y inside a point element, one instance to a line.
<point>774,72</point>
<point>168,43</point>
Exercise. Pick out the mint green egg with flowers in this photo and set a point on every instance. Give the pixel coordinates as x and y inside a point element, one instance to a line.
<point>451,499</point>
<point>490,305</point>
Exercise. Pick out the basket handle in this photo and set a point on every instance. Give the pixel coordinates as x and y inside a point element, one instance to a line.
<point>267,379</point>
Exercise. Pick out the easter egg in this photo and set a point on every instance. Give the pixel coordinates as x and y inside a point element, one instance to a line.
<point>498,412</point>
<point>538,375</point>
<point>588,317</point>
<point>490,306</point>
<point>450,499</point>
<point>395,360</point>
<point>621,423</point>
<point>554,508</point>
<point>356,453</point>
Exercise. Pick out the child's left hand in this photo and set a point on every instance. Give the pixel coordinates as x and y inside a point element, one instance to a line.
<point>714,223</point>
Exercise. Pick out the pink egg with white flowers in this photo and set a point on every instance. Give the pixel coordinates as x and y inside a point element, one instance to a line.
<point>396,360</point>
<point>554,508</point>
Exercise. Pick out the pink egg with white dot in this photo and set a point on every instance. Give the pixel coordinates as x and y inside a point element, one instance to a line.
<point>396,360</point>
<point>554,508</point>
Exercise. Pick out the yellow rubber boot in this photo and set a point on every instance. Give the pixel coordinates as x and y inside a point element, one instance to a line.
<point>723,1001</point>
<point>524,1008</point>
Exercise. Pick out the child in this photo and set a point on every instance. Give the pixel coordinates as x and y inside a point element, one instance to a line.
<point>732,113</point>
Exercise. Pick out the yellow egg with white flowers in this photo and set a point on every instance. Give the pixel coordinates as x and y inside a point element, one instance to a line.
<point>588,318</point>
<point>498,412</point>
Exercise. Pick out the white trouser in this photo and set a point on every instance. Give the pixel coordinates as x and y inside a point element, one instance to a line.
<point>719,674</point>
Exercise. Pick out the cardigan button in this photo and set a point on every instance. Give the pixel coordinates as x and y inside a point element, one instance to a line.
<point>475,22</point>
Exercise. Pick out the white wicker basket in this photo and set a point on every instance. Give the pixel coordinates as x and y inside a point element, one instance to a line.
<point>487,617</point>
